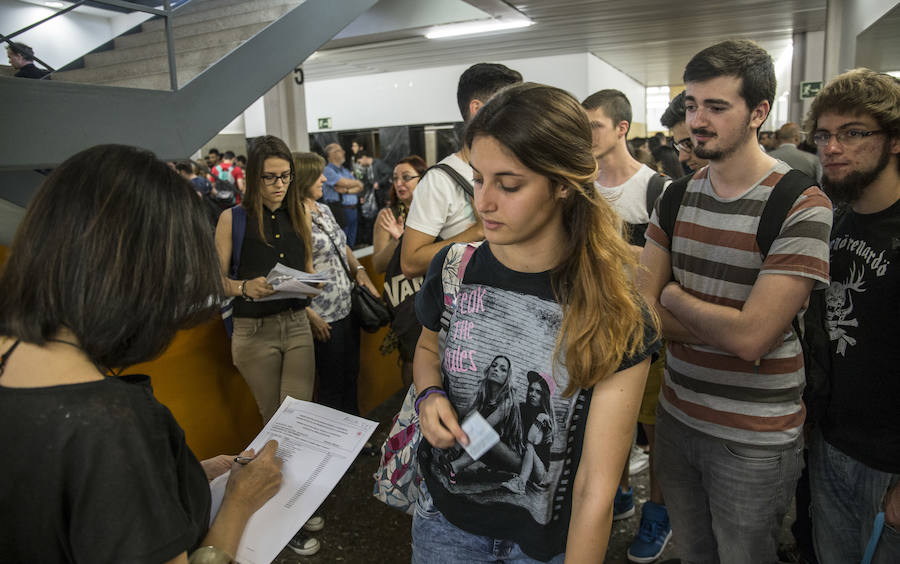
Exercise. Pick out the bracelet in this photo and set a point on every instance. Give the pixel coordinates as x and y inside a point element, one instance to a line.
<point>244,291</point>
<point>360,267</point>
<point>427,392</point>
<point>210,555</point>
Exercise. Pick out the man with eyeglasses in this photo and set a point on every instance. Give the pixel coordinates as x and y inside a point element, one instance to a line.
<point>855,452</point>
<point>673,120</point>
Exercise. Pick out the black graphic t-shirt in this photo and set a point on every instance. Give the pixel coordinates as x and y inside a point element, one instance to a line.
<point>498,359</point>
<point>863,319</point>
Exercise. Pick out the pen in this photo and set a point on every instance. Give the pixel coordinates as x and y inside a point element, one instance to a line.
<point>243,459</point>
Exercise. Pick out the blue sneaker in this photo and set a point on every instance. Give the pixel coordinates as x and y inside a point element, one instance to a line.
<point>623,504</point>
<point>653,534</point>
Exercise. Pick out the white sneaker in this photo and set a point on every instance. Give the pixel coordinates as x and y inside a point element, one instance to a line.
<point>638,462</point>
<point>304,545</point>
<point>315,523</point>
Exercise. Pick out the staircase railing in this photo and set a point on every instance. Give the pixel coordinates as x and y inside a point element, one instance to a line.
<point>45,122</point>
<point>167,12</point>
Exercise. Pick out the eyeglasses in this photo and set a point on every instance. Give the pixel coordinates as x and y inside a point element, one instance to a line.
<point>684,145</point>
<point>405,178</point>
<point>847,137</point>
<point>271,179</point>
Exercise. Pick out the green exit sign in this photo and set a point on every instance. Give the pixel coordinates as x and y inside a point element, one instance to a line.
<point>809,89</point>
<point>325,123</point>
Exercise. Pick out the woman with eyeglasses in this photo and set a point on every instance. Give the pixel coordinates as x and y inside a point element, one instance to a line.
<point>399,291</point>
<point>272,344</point>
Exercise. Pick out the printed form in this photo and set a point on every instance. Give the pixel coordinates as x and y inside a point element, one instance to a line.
<point>317,445</point>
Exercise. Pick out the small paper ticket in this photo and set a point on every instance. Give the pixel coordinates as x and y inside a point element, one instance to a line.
<point>481,435</point>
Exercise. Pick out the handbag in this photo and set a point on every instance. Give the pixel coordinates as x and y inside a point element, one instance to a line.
<point>398,481</point>
<point>366,308</point>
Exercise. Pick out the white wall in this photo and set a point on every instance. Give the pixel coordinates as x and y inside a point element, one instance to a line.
<point>429,95</point>
<point>602,75</point>
<point>64,38</point>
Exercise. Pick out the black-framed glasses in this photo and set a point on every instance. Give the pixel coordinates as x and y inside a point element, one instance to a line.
<point>405,178</point>
<point>846,137</point>
<point>684,145</point>
<point>271,179</point>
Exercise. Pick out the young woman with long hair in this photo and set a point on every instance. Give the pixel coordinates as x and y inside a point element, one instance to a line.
<point>399,291</point>
<point>272,343</point>
<point>113,256</point>
<point>336,333</point>
<point>550,289</point>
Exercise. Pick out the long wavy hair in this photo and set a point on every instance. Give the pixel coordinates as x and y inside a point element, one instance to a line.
<point>265,148</point>
<point>603,314</point>
<point>504,400</point>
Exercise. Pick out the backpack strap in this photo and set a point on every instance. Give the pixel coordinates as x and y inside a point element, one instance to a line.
<point>238,230</point>
<point>670,203</point>
<point>654,190</point>
<point>456,176</point>
<point>780,202</point>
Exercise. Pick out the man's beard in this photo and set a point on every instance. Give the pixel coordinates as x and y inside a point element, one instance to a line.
<point>852,186</point>
<point>718,154</point>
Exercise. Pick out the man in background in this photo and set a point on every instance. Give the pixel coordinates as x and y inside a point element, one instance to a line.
<point>787,138</point>
<point>21,57</point>
<point>442,212</point>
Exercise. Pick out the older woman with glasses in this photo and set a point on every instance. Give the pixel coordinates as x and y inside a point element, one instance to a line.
<point>399,291</point>
<point>272,345</point>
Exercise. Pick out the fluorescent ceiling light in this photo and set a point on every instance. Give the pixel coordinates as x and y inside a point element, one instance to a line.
<point>54,4</point>
<point>895,74</point>
<point>472,28</point>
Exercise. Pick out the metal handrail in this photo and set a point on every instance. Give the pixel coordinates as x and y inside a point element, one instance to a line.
<point>167,12</point>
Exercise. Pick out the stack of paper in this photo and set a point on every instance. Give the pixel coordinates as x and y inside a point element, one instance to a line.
<point>290,283</point>
<point>317,445</point>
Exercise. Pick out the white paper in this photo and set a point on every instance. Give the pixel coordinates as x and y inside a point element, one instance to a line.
<point>481,435</point>
<point>291,283</point>
<point>317,445</point>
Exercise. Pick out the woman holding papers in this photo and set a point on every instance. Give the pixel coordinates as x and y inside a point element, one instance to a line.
<point>272,342</point>
<point>336,333</point>
<point>549,292</point>
<point>112,257</point>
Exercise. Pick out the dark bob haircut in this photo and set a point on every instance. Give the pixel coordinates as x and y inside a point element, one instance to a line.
<point>114,247</point>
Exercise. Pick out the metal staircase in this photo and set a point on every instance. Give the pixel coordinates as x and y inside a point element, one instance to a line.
<point>45,122</point>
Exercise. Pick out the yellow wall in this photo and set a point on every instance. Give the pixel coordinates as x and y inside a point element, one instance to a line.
<point>195,379</point>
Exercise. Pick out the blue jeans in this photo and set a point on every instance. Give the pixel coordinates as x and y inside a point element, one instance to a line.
<point>437,541</point>
<point>352,223</point>
<point>726,501</point>
<point>846,496</point>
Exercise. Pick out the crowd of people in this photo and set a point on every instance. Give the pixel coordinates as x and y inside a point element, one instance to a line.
<point>548,281</point>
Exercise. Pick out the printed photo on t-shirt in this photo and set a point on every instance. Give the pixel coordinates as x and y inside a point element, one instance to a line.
<point>498,361</point>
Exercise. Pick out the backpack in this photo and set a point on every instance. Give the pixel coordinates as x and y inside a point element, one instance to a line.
<point>238,229</point>
<point>637,231</point>
<point>809,325</point>
<point>456,176</point>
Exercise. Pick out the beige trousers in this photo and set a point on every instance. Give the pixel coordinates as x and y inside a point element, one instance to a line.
<point>275,356</point>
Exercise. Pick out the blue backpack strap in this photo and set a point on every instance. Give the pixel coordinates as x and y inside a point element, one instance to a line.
<point>238,229</point>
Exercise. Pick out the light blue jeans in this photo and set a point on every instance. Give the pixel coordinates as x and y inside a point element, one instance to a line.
<point>846,496</point>
<point>726,501</point>
<point>437,541</point>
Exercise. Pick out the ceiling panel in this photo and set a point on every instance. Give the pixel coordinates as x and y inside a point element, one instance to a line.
<point>649,40</point>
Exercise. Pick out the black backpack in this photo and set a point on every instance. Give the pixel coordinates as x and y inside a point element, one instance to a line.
<point>810,326</point>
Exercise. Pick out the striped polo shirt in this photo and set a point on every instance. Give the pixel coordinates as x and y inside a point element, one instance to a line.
<point>715,257</point>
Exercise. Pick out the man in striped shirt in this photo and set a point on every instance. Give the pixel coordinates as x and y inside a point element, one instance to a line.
<point>730,412</point>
